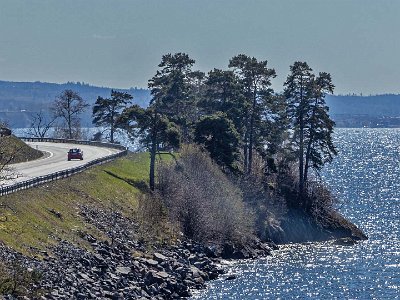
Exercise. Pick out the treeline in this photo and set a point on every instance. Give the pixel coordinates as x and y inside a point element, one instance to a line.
<point>267,145</point>
<point>236,115</point>
<point>20,101</point>
<point>387,105</point>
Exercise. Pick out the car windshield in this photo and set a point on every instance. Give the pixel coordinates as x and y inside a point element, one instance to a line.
<point>74,150</point>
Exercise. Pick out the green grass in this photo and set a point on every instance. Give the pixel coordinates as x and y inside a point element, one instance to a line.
<point>10,146</point>
<point>27,219</point>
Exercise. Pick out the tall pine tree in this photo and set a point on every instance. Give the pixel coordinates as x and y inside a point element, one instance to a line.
<point>255,77</point>
<point>106,112</point>
<point>312,126</point>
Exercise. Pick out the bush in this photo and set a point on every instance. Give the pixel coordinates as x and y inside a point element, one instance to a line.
<point>322,202</point>
<point>17,280</point>
<point>152,219</point>
<point>260,192</point>
<point>204,203</point>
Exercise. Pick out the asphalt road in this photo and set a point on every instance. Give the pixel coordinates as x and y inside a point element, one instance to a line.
<point>55,160</point>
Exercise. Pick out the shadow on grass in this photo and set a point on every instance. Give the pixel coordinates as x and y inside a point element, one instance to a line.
<point>139,184</point>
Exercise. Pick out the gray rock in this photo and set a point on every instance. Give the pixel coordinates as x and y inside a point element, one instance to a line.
<point>159,257</point>
<point>151,262</point>
<point>123,270</point>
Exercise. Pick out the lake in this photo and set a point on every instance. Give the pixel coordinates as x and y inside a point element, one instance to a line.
<point>365,176</point>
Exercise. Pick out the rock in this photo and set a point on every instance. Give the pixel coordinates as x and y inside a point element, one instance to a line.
<point>213,251</point>
<point>151,262</point>
<point>86,262</point>
<point>153,277</point>
<point>198,280</point>
<point>98,257</point>
<point>123,270</point>
<point>163,275</point>
<point>159,257</point>
<point>195,271</point>
<point>347,241</point>
<point>200,264</point>
<point>84,276</point>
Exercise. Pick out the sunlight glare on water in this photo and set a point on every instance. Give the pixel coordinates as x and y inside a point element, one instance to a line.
<point>365,176</point>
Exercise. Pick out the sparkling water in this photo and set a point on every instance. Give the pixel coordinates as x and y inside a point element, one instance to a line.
<point>366,177</point>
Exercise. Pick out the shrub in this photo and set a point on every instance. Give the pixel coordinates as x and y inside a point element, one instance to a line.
<point>16,280</point>
<point>200,198</point>
<point>260,192</point>
<point>152,219</point>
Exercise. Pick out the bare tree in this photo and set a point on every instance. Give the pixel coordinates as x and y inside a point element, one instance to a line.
<point>7,155</point>
<point>68,106</point>
<point>41,125</point>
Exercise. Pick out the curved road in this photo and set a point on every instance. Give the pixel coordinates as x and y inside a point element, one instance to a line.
<point>55,160</point>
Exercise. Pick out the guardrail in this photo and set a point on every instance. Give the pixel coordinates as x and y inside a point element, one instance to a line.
<point>91,143</point>
<point>5,190</point>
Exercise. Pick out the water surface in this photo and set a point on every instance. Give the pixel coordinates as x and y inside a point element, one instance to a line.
<point>365,175</point>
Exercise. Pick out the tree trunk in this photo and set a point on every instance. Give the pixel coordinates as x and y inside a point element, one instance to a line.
<point>301,148</point>
<point>69,119</point>
<point>245,151</point>
<point>251,138</point>
<point>301,159</point>
<point>153,152</point>
<point>309,145</point>
<point>112,128</point>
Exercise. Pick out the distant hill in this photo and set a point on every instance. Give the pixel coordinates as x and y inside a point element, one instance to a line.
<point>365,111</point>
<point>19,100</point>
<point>378,105</point>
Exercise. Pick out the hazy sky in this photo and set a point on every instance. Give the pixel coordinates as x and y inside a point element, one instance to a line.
<point>120,43</point>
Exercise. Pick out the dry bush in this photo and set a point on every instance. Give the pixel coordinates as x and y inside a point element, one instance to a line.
<point>202,200</point>
<point>18,281</point>
<point>322,202</point>
<point>260,192</point>
<point>152,219</point>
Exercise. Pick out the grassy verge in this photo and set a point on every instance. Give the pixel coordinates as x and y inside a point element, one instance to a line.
<point>17,149</point>
<point>37,218</point>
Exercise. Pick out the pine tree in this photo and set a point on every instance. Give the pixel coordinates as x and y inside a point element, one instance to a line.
<point>219,136</point>
<point>255,77</point>
<point>153,130</point>
<point>311,124</point>
<point>106,112</point>
<point>173,89</point>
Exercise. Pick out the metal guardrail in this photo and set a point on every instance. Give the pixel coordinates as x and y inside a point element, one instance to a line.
<point>91,143</point>
<point>5,190</point>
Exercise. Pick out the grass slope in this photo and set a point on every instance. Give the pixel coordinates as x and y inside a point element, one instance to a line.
<point>21,152</point>
<point>37,218</point>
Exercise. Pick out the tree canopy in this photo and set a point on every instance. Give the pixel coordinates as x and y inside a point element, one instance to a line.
<point>107,111</point>
<point>234,114</point>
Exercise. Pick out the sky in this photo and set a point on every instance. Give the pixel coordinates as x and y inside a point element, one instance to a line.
<point>119,43</point>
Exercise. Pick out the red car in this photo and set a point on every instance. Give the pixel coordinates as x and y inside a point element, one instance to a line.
<point>75,153</point>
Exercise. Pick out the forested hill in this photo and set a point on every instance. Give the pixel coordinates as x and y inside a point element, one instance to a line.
<point>19,100</point>
<point>365,111</point>
<point>378,105</point>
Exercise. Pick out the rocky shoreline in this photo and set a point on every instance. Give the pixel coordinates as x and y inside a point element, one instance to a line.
<point>113,272</point>
<point>126,268</point>
<point>122,266</point>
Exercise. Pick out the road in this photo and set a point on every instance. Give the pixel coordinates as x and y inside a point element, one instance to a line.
<point>55,160</point>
